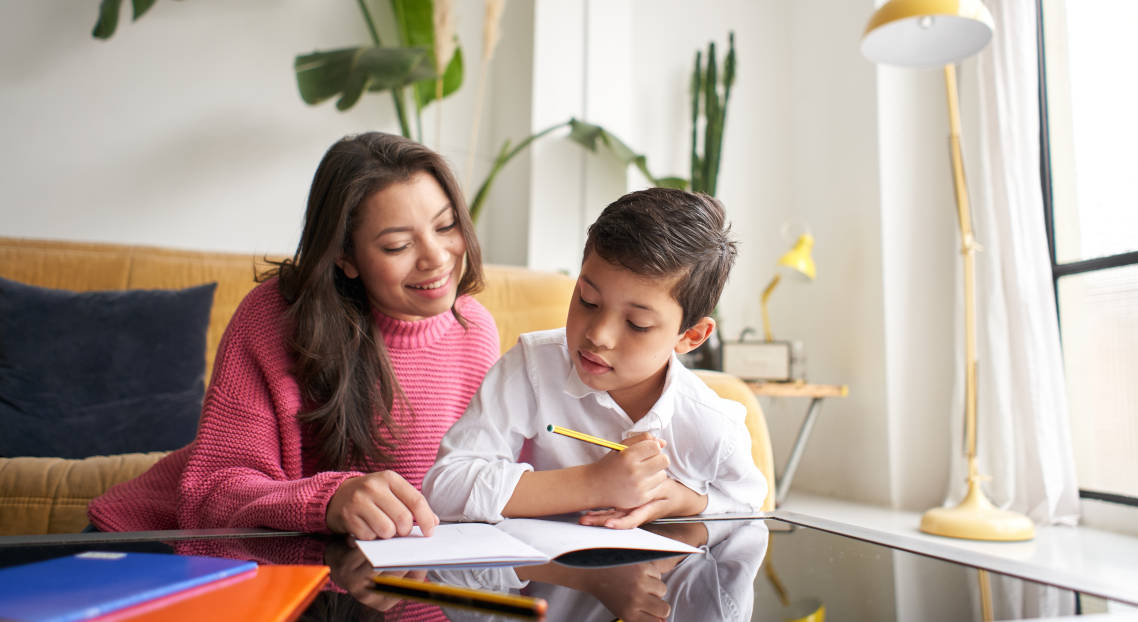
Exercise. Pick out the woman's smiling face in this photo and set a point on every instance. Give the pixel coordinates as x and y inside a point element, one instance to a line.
<point>407,249</point>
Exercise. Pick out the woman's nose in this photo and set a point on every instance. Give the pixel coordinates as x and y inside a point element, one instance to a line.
<point>434,253</point>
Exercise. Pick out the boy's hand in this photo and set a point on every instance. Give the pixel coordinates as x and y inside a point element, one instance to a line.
<point>676,500</point>
<point>633,591</point>
<point>379,505</point>
<point>632,477</point>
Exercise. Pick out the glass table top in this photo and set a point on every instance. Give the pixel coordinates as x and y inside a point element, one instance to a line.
<point>761,570</point>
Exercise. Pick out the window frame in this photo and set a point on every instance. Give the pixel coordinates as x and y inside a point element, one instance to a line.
<point>1083,266</point>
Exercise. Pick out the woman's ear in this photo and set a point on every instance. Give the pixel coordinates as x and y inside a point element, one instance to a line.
<point>348,266</point>
<point>693,337</point>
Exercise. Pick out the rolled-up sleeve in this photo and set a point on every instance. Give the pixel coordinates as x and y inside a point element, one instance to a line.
<point>739,485</point>
<point>476,470</point>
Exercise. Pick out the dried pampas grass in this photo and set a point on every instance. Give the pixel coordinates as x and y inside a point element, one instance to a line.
<point>445,46</point>
<point>491,33</point>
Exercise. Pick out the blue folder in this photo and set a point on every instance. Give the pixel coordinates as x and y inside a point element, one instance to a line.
<point>96,582</point>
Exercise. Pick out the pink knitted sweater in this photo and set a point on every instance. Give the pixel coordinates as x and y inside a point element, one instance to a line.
<point>253,464</point>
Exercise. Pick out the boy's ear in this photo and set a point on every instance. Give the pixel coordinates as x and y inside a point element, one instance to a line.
<point>346,264</point>
<point>693,337</point>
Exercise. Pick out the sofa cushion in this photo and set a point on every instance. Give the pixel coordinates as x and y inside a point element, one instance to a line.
<point>98,373</point>
<point>50,495</point>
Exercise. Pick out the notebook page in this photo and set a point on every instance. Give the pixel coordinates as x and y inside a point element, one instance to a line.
<point>457,544</point>
<point>555,537</point>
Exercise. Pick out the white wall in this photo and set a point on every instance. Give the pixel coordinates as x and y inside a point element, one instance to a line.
<point>186,130</point>
<point>817,136</point>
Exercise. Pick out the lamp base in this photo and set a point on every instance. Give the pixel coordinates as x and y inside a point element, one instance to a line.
<point>975,518</point>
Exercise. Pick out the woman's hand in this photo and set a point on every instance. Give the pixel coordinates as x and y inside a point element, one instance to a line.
<point>674,499</point>
<point>631,478</point>
<point>379,505</point>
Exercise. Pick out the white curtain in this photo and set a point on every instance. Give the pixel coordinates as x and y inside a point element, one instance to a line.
<point>1024,435</point>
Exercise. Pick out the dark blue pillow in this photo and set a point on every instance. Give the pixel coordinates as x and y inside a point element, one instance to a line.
<point>99,373</point>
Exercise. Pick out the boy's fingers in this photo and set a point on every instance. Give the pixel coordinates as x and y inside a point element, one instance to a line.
<point>633,518</point>
<point>599,518</point>
<point>643,449</point>
<point>657,462</point>
<point>638,437</point>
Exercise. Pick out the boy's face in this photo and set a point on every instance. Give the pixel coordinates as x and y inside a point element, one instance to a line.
<point>622,329</point>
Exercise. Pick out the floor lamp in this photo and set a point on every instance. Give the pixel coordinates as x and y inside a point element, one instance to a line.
<point>932,33</point>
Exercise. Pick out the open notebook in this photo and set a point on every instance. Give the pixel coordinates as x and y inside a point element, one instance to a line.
<point>514,541</point>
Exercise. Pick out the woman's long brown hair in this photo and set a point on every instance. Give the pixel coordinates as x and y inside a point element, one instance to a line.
<point>345,373</point>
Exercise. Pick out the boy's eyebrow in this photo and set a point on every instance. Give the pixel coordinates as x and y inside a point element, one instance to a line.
<point>633,304</point>
<point>405,228</point>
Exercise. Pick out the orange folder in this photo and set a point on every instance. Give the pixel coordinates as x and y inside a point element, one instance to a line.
<point>273,594</point>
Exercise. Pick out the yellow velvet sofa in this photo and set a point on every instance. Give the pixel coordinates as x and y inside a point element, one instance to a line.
<point>49,495</point>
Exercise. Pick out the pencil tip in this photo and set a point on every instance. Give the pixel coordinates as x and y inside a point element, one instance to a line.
<point>549,428</point>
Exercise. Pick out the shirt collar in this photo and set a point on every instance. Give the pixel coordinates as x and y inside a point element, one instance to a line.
<point>658,417</point>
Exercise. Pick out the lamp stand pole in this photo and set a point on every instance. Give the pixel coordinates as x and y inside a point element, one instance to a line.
<point>766,315</point>
<point>974,517</point>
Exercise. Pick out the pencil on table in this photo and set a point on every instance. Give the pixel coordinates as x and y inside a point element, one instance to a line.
<point>436,593</point>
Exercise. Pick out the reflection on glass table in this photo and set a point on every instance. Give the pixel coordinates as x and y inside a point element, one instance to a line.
<point>714,585</point>
<point>762,570</point>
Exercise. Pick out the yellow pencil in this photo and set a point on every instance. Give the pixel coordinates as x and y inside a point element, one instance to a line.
<point>439,593</point>
<point>588,438</point>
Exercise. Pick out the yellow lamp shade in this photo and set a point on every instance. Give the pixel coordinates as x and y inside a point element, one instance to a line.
<point>926,33</point>
<point>799,258</point>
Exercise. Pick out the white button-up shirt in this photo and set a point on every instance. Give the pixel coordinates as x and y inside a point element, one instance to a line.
<point>503,434</point>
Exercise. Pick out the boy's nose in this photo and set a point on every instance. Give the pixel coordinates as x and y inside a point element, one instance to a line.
<point>600,334</point>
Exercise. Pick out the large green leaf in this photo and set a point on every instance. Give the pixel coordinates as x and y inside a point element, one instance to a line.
<point>140,7</point>
<point>414,20</point>
<point>349,72</point>
<point>505,154</point>
<point>452,80</point>
<point>590,136</point>
<point>108,19</point>
<point>109,16</point>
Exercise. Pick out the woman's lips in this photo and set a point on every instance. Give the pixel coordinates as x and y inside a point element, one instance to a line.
<point>592,364</point>
<point>434,288</point>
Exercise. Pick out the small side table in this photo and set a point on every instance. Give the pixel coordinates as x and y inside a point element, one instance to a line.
<point>816,392</point>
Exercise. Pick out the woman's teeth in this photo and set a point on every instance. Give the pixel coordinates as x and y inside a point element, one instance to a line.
<point>432,285</point>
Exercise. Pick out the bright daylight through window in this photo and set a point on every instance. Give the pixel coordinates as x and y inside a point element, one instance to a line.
<point>1090,162</point>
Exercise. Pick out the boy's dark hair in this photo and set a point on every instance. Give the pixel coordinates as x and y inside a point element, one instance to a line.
<point>662,232</point>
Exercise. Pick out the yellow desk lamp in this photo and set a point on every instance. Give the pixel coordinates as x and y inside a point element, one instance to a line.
<point>932,33</point>
<point>800,262</point>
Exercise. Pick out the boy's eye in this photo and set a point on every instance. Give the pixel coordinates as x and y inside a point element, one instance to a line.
<point>585,303</point>
<point>639,329</point>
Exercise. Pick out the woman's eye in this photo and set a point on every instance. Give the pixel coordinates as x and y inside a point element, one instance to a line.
<point>586,304</point>
<point>452,225</point>
<point>639,329</point>
<point>398,249</point>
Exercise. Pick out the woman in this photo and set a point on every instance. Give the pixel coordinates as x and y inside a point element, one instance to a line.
<point>338,374</point>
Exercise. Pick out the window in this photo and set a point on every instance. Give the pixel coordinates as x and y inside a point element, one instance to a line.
<point>1089,132</point>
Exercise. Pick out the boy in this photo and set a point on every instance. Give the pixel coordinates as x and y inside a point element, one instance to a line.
<point>653,268</point>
